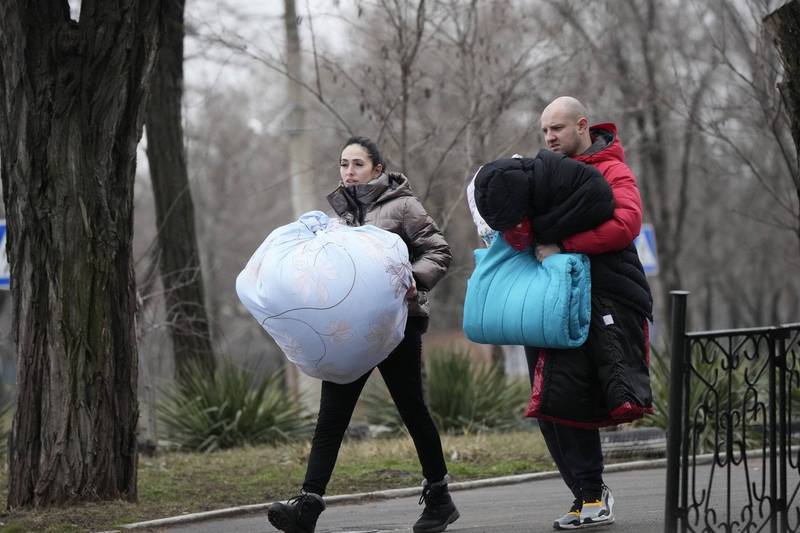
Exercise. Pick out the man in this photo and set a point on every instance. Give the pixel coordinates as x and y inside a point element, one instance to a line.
<point>606,381</point>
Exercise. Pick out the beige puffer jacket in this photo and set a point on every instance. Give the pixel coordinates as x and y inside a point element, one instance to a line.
<point>388,203</point>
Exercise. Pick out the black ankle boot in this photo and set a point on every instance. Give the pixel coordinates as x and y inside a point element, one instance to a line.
<point>298,515</point>
<point>439,508</point>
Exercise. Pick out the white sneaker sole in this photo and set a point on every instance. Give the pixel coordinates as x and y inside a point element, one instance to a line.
<point>592,523</point>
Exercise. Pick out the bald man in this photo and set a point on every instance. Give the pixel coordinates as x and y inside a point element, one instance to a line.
<point>572,392</point>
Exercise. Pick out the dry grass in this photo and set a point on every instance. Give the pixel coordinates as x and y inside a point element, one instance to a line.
<point>176,483</point>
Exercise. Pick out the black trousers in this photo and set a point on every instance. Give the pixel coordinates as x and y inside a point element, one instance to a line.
<point>577,452</point>
<point>402,372</point>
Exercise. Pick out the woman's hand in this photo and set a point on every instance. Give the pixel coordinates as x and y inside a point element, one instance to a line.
<point>411,293</point>
<point>543,251</point>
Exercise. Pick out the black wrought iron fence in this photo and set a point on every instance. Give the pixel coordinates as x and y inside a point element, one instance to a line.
<point>733,448</point>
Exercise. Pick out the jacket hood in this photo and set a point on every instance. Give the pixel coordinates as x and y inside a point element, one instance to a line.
<point>396,186</point>
<point>387,186</point>
<point>605,145</point>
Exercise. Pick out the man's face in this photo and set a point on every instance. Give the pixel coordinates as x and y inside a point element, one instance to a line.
<point>561,133</point>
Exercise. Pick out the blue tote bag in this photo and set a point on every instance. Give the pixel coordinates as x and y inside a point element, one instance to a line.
<point>514,299</point>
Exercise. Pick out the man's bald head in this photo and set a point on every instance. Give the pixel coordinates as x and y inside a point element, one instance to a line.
<point>571,107</point>
<point>565,125</point>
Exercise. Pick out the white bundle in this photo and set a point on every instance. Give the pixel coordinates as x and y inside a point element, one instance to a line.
<point>330,295</point>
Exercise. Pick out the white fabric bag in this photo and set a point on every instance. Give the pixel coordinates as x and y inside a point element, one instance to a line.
<point>330,295</point>
<point>484,231</point>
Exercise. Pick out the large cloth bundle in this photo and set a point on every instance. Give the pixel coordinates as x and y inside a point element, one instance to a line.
<point>514,299</point>
<point>331,296</point>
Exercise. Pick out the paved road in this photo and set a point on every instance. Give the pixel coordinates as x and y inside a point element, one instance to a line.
<point>528,507</point>
<point>525,507</point>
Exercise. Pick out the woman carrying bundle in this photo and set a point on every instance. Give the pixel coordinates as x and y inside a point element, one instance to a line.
<point>367,194</point>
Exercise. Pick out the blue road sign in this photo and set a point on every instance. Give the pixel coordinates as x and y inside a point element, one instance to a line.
<point>5,271</point>
<point>646,248</point>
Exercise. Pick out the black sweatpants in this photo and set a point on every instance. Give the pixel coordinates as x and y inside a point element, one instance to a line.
<point>402,372</point>
<point>577,452</point>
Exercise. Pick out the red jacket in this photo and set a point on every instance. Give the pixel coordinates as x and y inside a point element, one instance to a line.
<point>618,233</point>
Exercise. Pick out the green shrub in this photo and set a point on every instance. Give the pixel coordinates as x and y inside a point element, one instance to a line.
<point>463,395</point>
<point>468,396</point>
<point>233,409</point>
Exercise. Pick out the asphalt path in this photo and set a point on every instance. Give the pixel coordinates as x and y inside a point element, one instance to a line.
<point>528,507</point>
<point>520,507</point>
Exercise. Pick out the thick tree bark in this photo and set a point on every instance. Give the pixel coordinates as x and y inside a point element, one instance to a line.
<point>784,24</point>
<point>72,98</point>
<point>179,258</point>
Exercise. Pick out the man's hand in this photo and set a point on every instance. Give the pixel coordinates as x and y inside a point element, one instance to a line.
<point>411,293</point>
<point>544,251</point>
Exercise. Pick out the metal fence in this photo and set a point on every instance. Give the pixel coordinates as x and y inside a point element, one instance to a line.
<point>733,460</point>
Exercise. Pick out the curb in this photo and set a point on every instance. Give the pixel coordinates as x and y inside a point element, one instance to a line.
<point>384,494</point>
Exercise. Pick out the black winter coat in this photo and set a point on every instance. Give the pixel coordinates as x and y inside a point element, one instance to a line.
<point>559,195</point>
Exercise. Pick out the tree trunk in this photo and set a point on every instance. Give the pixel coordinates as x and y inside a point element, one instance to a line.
<point>300,160</point>
<point>179,258</point>
<point>784,24</point>
<point>72,98</point>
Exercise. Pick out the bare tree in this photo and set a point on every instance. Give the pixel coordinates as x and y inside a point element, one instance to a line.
<point>299,136</point>
<point>178,256</point>
<point>494,79</point>
<point>72,102</point>
<point>748,127</point>
<point>634,63</point>
<point>394,38</point>
<point>703,127</point>
<point>300,161</point>
<point>409,29</point>
<point>706,137</point>
<point>784,23</point>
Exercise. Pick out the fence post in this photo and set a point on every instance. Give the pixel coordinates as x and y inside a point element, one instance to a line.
<point>677,369</point>
<point>783,431</point>
<point>772,413</point>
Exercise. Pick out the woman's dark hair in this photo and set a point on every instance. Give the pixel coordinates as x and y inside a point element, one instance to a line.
<point>372,150</point>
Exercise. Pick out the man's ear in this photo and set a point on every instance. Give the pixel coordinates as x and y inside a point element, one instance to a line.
<point>583,124</point>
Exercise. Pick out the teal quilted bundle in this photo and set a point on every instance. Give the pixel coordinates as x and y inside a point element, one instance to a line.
<point>514,299</point>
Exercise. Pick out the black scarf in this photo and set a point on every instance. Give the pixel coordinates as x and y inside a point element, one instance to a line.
<point>354,204</point>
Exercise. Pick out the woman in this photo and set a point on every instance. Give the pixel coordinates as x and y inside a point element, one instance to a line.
<point>369,195</point>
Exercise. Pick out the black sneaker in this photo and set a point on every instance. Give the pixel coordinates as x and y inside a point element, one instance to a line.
<point>571,520</point>
<point>439,512</point>
<point>298,515</point>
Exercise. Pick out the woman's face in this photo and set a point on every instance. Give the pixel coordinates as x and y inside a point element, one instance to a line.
<point>356,167</point>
